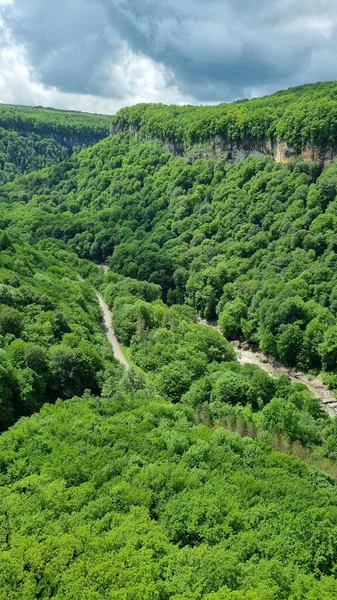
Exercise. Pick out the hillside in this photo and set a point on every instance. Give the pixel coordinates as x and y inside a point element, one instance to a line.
<point>52,344</point>
<point>126,498</point>
<point>250,242</point>
<point>298,121</point>
<point>188,476</point>
<point>33,138</point>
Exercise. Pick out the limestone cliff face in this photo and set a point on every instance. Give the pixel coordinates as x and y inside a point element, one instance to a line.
<point>284,153</point>
<point>218,147</point>
<point>279,150</point>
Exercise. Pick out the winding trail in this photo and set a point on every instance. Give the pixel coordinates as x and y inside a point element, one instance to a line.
<point>107,325</point>
<point>247,355</point>
<point>105,267</point>
<point>110,332</point>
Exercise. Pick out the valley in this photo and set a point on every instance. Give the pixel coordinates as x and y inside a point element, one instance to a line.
<point>246,355</point>
<point>168,363</point>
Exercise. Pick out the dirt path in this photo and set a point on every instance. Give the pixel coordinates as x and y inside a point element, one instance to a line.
<point>316,386</point>
<point>110,333</point>
<point>105,267</point>
<point>244,356</point>
<point>107,326</point>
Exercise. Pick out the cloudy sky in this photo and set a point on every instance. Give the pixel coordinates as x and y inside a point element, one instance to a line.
<point>99,55</point>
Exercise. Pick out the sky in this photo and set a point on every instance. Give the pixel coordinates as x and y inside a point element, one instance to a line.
<point>100,55</point>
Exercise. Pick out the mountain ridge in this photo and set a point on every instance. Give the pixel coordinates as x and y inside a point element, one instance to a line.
<point>32,138</point>
<point>300,121</point>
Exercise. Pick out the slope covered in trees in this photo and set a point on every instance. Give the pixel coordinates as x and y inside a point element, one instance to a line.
<point>126,498</point>
<point>33,138</point>
<point>50,337</point>
<point>140,487</point>
<point>302,115</point>
<point>194,364</point>
<point>129,496</point>
<point>252,243</point>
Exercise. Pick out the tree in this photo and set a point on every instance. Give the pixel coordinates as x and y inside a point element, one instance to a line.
<point>72,372</point>
<point>10,322</point>
<point>230,318</point>
<point>59,324</point>
<point>328,349</point>
<point>313,337</point>
<point>8,394</point>
<point>231,388</point>
<point>289,344</point>
<point>173,380</point>
<point>35,358</point>
<point>283,416</point>
<point>199,392</point>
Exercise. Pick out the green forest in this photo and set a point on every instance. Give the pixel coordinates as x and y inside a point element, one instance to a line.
<point>34,138</point>
<point>251,242</point>
<point>299,116</point>
<point>188,476</point>
<point>52,343</point>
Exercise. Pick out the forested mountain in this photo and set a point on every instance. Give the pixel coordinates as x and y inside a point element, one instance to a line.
<point>189,476</point>
<point>251,242</point>
<point>299,116</point>
<point>33,138</point>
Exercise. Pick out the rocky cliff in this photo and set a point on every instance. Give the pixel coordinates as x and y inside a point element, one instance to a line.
<point>216,147</point>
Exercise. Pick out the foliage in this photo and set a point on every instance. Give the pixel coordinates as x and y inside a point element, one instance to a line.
<point>192,363</point>
<point>127,498</point>
<point>300,115</point>
<point>133,490</point>
<point>252,243</point>
<point>50,337</point>
<point>33,138</point>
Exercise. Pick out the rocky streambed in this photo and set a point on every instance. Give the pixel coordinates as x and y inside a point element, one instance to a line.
<point>248,355</point>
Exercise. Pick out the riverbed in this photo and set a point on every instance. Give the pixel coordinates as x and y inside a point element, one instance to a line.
<point>247,355</point>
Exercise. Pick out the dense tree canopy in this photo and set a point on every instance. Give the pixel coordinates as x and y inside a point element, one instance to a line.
<point>127,498</point>
<point>194,364</point>
<point>301,115</point>
<point>164,482</point>
<point>33,138</point>
<point>252,242</point>
<point>50,337</point>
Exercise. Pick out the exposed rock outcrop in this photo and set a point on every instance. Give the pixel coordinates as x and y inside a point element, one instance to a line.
<point>278,149</point>
<point>216,147</point>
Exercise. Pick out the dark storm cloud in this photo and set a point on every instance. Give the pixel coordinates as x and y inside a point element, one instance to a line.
<point>68,42</point>
<point>215,49</point>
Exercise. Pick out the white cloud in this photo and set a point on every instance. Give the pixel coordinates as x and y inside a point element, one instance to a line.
<point>99,55</point>
<point>139,77</point>
<point>146,81</point>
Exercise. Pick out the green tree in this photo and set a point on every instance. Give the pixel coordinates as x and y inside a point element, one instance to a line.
<point>173,380</point>
<point>328,349</point>
<point>230,318</point>
<point>289,344</point>
<point>10,322</point>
